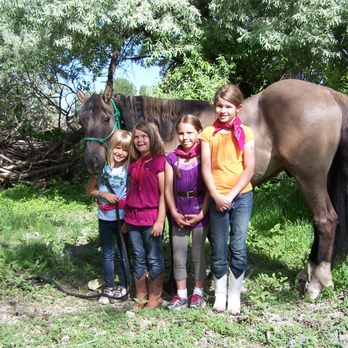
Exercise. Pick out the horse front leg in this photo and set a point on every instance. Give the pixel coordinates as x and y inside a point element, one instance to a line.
<point>317,272</point>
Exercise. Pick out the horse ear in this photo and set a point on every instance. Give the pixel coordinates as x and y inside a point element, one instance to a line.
<point>81,96</point>
<point>107,95</point>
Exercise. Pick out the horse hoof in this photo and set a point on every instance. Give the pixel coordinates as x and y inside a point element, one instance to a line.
<point>302,281</point>
<point>323,274</point>
<point>312,291</point>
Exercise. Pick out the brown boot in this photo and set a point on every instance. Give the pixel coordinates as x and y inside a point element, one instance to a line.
<point>141,292</point>
<point>155,292</point>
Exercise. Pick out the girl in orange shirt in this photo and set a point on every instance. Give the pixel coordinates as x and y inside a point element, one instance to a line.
<point>228,162</point>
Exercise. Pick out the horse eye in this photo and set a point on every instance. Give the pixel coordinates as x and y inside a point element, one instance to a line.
<point>106,119</point>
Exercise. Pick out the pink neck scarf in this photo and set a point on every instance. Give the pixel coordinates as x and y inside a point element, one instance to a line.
<point>235,127</point>
<point>139,174</point>
<point>194,151</point>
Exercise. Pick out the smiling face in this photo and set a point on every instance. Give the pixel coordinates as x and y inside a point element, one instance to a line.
<point>226,111</point>
<point>187,135</point>
<point>141,142</point>
<point>119,155</point>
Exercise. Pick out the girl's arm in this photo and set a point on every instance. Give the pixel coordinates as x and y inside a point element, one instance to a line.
<point>205,205</point>
<point>159,224</point>
<point>169,195</point>
<point>222,202</point>
<point>124,228</point>
<point>248,172</point>
<point>92,190</point>
<point>206,168</point>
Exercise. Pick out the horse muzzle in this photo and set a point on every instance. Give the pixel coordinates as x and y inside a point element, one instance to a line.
<point>95,157</point>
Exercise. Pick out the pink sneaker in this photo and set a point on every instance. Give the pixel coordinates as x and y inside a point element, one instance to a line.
<point>177,303</point>
<point>197,301</point>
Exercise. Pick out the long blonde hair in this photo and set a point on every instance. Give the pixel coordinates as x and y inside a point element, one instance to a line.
<point>156,142</point>
<point>122,139</point>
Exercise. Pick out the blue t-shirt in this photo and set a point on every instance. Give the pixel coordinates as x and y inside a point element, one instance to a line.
<point>118,181</point>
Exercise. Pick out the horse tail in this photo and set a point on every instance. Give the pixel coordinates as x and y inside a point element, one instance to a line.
<point>338,181</point>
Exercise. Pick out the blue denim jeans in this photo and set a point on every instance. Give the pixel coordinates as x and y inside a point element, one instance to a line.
<point>108,233</point>
<point>228,235</point>
<point>147,251</point>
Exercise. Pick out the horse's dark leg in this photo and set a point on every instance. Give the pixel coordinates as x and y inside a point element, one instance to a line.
<point>318,269</point>
<point>170,284</point>
<point>315,246</point>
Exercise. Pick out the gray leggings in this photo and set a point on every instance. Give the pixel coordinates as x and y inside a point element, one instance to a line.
<point>180,239</point>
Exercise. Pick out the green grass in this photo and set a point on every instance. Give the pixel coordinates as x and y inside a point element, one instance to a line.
<point>53,232</point>
<point>41,230</point>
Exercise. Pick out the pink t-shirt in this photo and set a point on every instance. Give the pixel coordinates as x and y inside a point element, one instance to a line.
<point>142,202</point>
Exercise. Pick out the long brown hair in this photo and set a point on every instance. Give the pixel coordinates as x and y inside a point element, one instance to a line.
<point>156,142</point>
<point>230,93</point>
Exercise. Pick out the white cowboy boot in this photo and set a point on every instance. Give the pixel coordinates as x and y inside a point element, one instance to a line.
<point>234,290</point>
<point>220,294</point>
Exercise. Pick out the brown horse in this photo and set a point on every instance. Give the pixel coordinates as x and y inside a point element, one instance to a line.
<point>299,127</point>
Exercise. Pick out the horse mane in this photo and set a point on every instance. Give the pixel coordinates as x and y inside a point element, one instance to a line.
<point>163,112</point>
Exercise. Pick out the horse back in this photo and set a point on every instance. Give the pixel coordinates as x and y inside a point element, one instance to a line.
<point>304,123</point>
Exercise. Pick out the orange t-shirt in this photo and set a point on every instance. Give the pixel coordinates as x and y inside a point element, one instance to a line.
<point>226,158</point>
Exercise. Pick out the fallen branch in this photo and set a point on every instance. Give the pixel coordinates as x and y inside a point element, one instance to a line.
<point>33,160</point>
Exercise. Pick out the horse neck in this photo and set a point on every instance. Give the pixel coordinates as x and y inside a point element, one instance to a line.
<point>163,112</point>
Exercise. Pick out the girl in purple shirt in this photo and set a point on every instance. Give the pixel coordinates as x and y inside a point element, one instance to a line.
<point>145,213</point>
<point>188,204</point>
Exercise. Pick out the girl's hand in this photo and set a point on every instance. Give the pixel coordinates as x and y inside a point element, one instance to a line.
<point>193,219</point>
<point>180,220</point>
<point>222,202</point>
<point>124,228</point>
<point>157,229</point>
<point>231,196</point>
<point>110,197</point>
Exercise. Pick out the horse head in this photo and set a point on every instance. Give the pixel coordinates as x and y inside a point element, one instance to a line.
<point>98,122</point>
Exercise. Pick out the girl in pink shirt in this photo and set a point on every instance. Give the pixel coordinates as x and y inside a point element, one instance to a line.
<point>145,212</point>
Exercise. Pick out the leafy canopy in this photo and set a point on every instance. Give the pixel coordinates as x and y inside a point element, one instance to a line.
<point>271,39</point>
<point>72,36</point>
<point>49,48</point>
<point>262,41</point>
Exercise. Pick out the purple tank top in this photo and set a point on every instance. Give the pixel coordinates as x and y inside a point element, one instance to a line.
<point>191,180</point>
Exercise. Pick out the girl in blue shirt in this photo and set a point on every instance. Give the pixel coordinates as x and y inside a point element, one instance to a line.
<point>116,173</point>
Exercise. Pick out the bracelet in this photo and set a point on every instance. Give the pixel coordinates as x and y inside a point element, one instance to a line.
<point>100,194</point>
